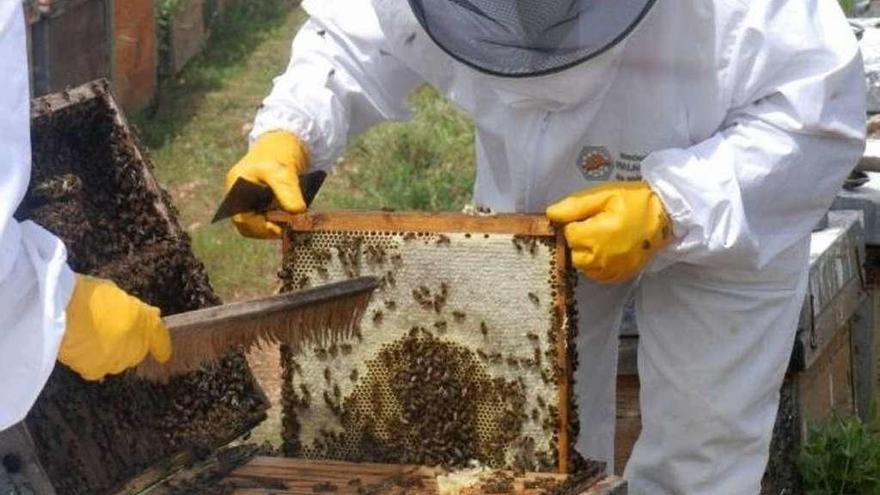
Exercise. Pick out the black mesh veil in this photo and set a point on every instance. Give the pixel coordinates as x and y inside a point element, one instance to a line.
<point>521,38</point>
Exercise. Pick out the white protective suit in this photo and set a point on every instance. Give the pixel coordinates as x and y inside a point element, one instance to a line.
<point>744,117</point>
<point>35,281</point>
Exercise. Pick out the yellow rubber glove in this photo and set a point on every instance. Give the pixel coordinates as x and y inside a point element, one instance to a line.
<point>109,331</point>
<point>275,159</point>
<point>613,230</point>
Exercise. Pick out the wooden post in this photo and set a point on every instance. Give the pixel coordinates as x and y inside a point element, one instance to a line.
<point>135,56</point>
<point>188,33</point>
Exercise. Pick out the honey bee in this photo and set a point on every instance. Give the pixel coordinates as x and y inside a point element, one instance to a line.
<point>296,367</point>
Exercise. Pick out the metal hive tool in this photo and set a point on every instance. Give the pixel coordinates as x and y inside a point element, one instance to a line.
<point>464,353</point>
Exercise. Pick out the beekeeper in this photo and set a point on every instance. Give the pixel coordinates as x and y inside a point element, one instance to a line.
<point>694,145</point>
<point>46,310</point>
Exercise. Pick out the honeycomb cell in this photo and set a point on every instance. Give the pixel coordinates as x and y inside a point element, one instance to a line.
<point>432,386</point>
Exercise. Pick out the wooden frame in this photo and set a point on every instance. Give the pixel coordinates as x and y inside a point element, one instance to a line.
<point>100,89</point>
<point>301,476</point>
<point>527,225</point>
<point>99,92</point>
<point>423,222</point>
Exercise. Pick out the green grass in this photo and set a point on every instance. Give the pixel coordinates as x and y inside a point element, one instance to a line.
<point>425,164</point>
<point>198,129</point>
<point>841,457</point>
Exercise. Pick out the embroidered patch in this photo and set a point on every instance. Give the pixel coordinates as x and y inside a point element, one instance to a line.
<point>595,163</point>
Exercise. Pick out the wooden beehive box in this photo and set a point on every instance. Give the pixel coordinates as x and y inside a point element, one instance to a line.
<point>237,471</point>
<point>70,43</point>
<point>465,351</point>
<point>187,34</point>
<point>135,53</point>
<point>92,186</point>
<point>302,477</point>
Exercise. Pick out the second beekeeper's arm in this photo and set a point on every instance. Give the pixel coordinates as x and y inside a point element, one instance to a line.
<point>47,311</point>
<point>762,182</point>
<point>340,81</point>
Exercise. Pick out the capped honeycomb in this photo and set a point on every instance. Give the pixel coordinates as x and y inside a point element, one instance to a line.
<point>463,353</point>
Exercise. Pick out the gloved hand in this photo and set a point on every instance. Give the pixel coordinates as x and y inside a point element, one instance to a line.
<point>276,159</point>
<point>613,230</point>
<point>109,331</point>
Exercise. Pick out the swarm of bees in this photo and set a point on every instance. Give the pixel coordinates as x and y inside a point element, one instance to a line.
<point>87,168</point>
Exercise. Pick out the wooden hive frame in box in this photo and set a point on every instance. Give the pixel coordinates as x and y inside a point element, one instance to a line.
<point>465,352</point>
<point>93,187</point>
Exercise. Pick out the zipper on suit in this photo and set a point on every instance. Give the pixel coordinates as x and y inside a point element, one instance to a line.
<point>536,167</point>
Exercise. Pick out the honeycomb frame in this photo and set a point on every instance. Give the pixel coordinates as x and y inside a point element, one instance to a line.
<point>507,389</point>
<point>92,185</point>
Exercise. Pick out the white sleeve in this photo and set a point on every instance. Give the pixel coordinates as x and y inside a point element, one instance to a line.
<point>35,282</point>
<point>340,80</point>
<point>794,132</point>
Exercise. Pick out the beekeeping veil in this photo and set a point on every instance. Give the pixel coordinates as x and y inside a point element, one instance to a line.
<point>522,38</point>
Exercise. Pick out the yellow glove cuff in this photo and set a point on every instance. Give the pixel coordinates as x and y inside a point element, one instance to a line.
<point>283,147</point>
